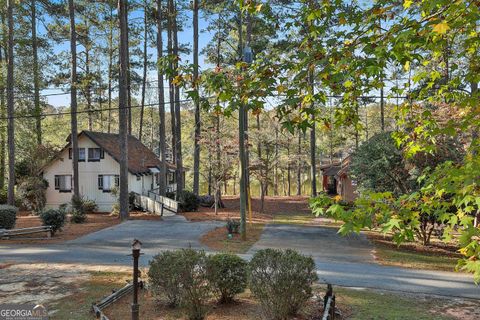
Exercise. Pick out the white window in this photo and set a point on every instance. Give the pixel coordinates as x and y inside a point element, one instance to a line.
<point>63,183</point>
<point>95,154</point>
<point>107,182</point>
<point>81,154</point>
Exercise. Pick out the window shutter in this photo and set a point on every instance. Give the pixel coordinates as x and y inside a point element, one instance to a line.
<point>117,180</point>
<point>102,154</point>
<point>69,153</point>
<point>100,182</point>
<point>57,182</point>
<point>90,153</point>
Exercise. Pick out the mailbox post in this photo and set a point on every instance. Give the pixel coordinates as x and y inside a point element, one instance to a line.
<point>136,246</point>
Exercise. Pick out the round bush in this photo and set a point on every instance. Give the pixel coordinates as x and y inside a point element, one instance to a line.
<point>282,281</point>
<point>8,216</point>
<point>227,274</point>
<point>32,191</point>
<point>196,289</point>
<point>164,276</point>
<point>78,216</point>
<point>181,276</point>
<point>54,218</point>
<point>187,201</point>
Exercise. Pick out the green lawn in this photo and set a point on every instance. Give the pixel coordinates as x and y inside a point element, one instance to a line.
<point>293,218</point>
<point>409,259</point>
<point>363,304</point>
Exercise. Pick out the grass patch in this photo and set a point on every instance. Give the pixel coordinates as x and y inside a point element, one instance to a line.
<point>293,218</point>
<point>79,305</point>
<point>364,304</point>
<point>398,257</point>
<point>217,239</point>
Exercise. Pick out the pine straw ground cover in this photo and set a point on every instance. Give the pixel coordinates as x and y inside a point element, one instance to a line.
<point>217,239</point>
<point>94,222</point>
<point>273,206</point>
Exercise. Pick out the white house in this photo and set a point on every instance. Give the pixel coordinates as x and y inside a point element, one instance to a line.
<point>99,169</point>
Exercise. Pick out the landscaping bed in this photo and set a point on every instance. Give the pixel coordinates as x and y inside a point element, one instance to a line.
<point>245,307</point>
<point>217,239</point>
<point>71,231</point>
<point>353,304</point>
<point>273,206</point>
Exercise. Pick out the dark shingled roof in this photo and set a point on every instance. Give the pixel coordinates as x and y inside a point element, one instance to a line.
<point>140,158</point>
<point>331,171</point>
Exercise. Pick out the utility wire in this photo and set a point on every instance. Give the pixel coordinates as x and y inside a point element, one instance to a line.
<point>43,115</point>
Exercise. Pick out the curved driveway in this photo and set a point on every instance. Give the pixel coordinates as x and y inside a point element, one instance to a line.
<point>345,261</point>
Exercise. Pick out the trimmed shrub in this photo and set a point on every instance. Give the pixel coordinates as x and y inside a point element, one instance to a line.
<point>54,218</point>
<point>181,277</point>
<point>227,274</point>
<point>187,201</point>
<point>282,281</point>
<point>8,216</point>
<point>32,191</point>
<point>164,276</point>
<point>89,205</point>
<point>232,226</point>
<point>196,289</point>
<point>79,214</point>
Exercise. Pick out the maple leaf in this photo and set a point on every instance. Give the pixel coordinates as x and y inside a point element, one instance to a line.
<point>441,28</point>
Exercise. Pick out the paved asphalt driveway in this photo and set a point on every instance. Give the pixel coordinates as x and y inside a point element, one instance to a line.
<point>345,261</point>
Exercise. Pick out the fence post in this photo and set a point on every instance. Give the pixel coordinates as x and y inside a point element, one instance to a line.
<point>327,295</point>
<point>332,309</point>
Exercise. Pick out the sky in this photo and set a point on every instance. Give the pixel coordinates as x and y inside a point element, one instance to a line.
<point>57,99</point>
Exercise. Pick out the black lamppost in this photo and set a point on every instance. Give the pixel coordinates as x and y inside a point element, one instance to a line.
<point>136,246</point>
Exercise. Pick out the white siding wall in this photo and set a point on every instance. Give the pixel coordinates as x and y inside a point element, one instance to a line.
<point>88,180</point>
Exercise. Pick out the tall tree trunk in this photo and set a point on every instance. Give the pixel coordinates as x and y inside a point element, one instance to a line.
<point>210,169</point>
<point>382,100</point>
<point>248,38</point>
<point>313,142</point>
<point>88,88</point>
<point>73,99</point>
<point>178,121</point>
<point>10,107</point>
<point>171,88</point>
<point>275,169</point>
<point>3,109</point>
<point>162,188</point>
<point>242,146</point>
<point>100,96</point>
<point>289,174</point>
<point>144,78</point>
<point>299,165</point>
<point>196,148</point>
<point>218,193</point>
<point>259,152</point>
<point>36,79</point>
<point>128,74</point>
<point>123,108</point>
<point>110,69</point>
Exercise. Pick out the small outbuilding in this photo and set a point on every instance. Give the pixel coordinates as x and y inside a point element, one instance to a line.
<point>337,181</point>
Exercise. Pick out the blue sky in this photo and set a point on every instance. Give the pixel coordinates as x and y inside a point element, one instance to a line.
<point>185,37</point>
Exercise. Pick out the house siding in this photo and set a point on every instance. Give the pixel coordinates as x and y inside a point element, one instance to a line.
<point>88,178</point>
